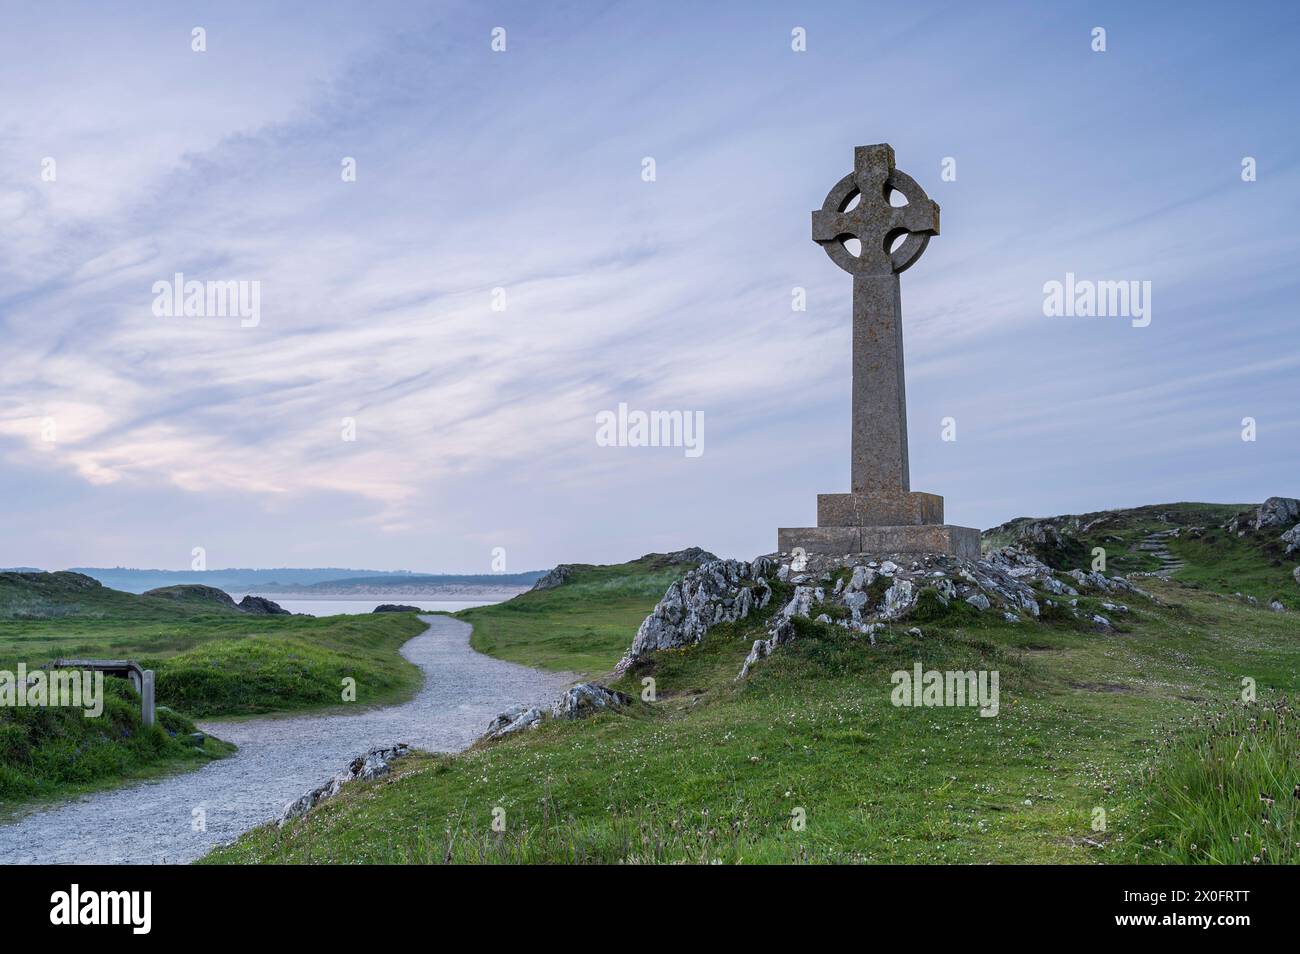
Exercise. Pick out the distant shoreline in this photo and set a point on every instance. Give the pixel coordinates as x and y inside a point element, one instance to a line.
<point>396,594</point>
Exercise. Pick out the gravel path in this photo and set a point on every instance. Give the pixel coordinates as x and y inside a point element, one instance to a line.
<point>278,760</point>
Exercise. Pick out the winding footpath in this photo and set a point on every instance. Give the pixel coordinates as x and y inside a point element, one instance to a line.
<point>278,760</point>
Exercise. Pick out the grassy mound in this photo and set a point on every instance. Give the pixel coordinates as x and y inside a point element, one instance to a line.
<point>584,625</point>
<point>47,752</point>
<point>64,595</point>
<point>233,663</point>
<point>245,676</point>
<point>194,593</point>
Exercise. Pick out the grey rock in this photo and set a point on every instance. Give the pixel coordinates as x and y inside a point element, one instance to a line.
<point>374,764</point>
<point>1277,512</point>
<point>801,604</point>
<point>856,602</point>
<point>512,720</point>
<point>706,596</point>
<point>1277,607</point>
<point>1053,585</point>
<point>899,598</point>
<point>557,576</point>
<point>863,577</point>
<point>779,630</point>
<point>261,606</point>
<point>587,698</point>
<point>979,601</point>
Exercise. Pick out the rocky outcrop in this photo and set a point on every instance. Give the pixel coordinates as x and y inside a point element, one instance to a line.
<point>859,596</point>
<point>396,608</point>
<point>1095,581</point>
<point>696,555</point>
<point>261,606</point>
<point>556,577</point>
<point>1273,513</point>
<point>584,699</point>
<point>720,591</point>
<point>374,764</point>
<point>193,593</point>
<point>1053,531</point>
<point>198,593</point>
<point>1278,512</point>
<point>781,630</point>
<point>515,719</point>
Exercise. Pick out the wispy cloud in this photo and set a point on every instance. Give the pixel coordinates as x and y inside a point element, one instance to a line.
<point>521,171</point>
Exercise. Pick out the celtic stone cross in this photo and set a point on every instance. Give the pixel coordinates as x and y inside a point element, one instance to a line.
<point>881,512</point>
<point>892,238</point>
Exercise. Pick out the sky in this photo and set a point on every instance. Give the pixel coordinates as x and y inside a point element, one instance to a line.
<point>436,338</point>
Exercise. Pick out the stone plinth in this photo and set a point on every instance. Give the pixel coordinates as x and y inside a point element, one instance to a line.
<point>961,542</point>
<point>879,509</point>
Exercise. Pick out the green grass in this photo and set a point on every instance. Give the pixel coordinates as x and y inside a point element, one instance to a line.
<point>51,752</point>
<point>236,664</point>
<point>584,626</point>
<point>1254,565</point>
<point>714,770</point>
<point>1228,790</point>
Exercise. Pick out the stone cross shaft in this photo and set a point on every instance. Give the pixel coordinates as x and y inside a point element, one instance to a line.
<point>891,239</point>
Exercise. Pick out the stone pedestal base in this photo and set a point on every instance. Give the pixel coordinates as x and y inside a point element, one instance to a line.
<point>879,508</point>
<point>961,542</point>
